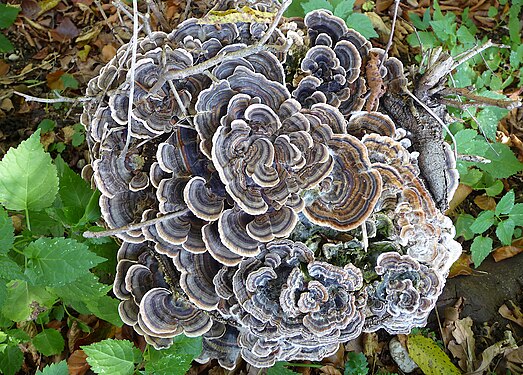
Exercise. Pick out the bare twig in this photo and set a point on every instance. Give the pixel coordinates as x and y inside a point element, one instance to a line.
<point>391,37</point>
<point>60,99</point>
<point>134,47</point>
<point>130,227</point>
<point>159,16</point>
<point>477,100</point>
<point>187,10</point>
<point>208,64</point>
<point>102,12</point>
<point>474,159</point>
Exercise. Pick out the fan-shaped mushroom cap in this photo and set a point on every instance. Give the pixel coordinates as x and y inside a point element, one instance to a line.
<point>361,123</point>
<point>232,227</point>
<point>221,342</point>
<point>352,177</point>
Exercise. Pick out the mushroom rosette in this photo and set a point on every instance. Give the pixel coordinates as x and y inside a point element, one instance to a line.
<point>270,214</point>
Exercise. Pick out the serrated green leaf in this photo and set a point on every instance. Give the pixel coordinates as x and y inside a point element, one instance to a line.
<point>24,299</point>
<point>417,22</point>
<point>483,222</point>
<point>7,232</point>
<point>506,203</point>
<point>465,36</point>
<point>463,223</point>
<point>516,214</point>
<point>69,81</point>
<point>49,342</point>
<point>8,14</point>
<point>58,261</point>
<point>503,161</point>
<point>311,5</point>
<point>10,270</point>
<point>28,180</point>
<point>11,359</point>
<point>505,231</point>
<point>85,288</point>
<point>294,10</point>
<point>469,177</point>
<point>115,357</point>
<point>175,360</point>
<point>279,368</point>
<point>344,9</point>
<point>105,308</point>
<point>488,119</point>
<point>45,223</point>
<point>5,45</point>
<point>429,356</point>
<point>362,24</point>
<point>75,194</point>
<point>59,368</point>
<point>514,25</point>
<point>480,249</point>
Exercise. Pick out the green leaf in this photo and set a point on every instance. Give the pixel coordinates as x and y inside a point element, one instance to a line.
<point>10,270</point>
<point>516,214</point>
<point>28,180</point>
<point>506,203</point>
<point>429,356</point>
<point>503,161</point>
<point>8,14</point>
<point>480,248</point>
<point>514,25</point>
<point>469,177</point>
<point>75,194</point>
<point>49,342</point>
<point>115,357</point>
<point>294,10</point>
<point>59,368</point>
<point>11,359</point>
<point>465,36</point>
<point>356,364</point>
<point>483,222</point>
<point>311,5</point>
<point>488,119</point>
<point>362,24</point>
<point>58,261</point>
<point>495,188</point>
<point>417,22</point>
<point>7,232</point>
<point>344,9</point>
<point>463,223</point>
<point>175,360</point>
<point>279,368</point>
<point>46,125</point>
<point>23,300</point>
<point>85,288</point>
<point>5,44</point>
<point>492,11</point>
<point>69,81</point>
<point>106,308</point>
<point>505,231</point>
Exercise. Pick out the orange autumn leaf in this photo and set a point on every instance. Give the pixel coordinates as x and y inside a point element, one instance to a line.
<point>53,80</point>
<point>505,252</point>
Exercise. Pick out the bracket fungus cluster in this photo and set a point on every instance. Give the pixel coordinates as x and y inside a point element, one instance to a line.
<point>282,209</point>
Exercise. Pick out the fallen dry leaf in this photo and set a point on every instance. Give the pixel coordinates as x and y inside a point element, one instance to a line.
<point>485,202</point>
<point>108,52</point>
<point>460,195</point>
<point>53,80</point>
<point>77,363</point>
<point>515,360</point>
<point>4,68</point>
<point>508,343</point>
<point>330,370</point>
<point>512,313</point>
<point>461,267</point>
<point>65,31</point>
<point>506,252</point>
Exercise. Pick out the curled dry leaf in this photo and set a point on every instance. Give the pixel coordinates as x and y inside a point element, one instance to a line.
<point>460,195</point>
<point>330,370</point>
<point>65,31</point>
<point>515,360</point>
<point>485,202</point>
<point>461,267</point>
<point>505,252</point>
<point>77,363</point>
<point>512,313</point>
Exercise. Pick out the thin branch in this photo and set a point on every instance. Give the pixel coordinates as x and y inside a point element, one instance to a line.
<point>478,100</point>
<point>134,48</point>
<point>137,226</point>
<point>99,6</point>
<point>208,64</point>
<point>159,16</point>
<point>60,99</point>
<point>391,37</point>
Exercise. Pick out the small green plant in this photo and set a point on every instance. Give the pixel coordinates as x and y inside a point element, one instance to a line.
<point>8,14</point>
<point>340,8</point>
<point>356,364</point>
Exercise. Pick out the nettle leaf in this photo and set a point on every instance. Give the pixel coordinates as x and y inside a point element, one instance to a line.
<point>10,270</point>
<point>506,203</point>
<point>75,194</point>
<point>362,24</point>
<point>429,356</point>
<point>49,342</point>
<point>480,249</point>
<point>505,231</point>
<point>59,368</point>
<point>175,360</point>
<point>28,180</point>
<point>463,223</point>
<point>311,5</point>
<point>24,299</point>
<point>85,288</point>
<point>115,357</point>
<point>516,214</point>
<point>11,359</point>
<point>8,14</point>
<point>483,222</point>
<point>106,308</point>
<point>7,232</point>
<point>344,8</point>
<point>58,261</point>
